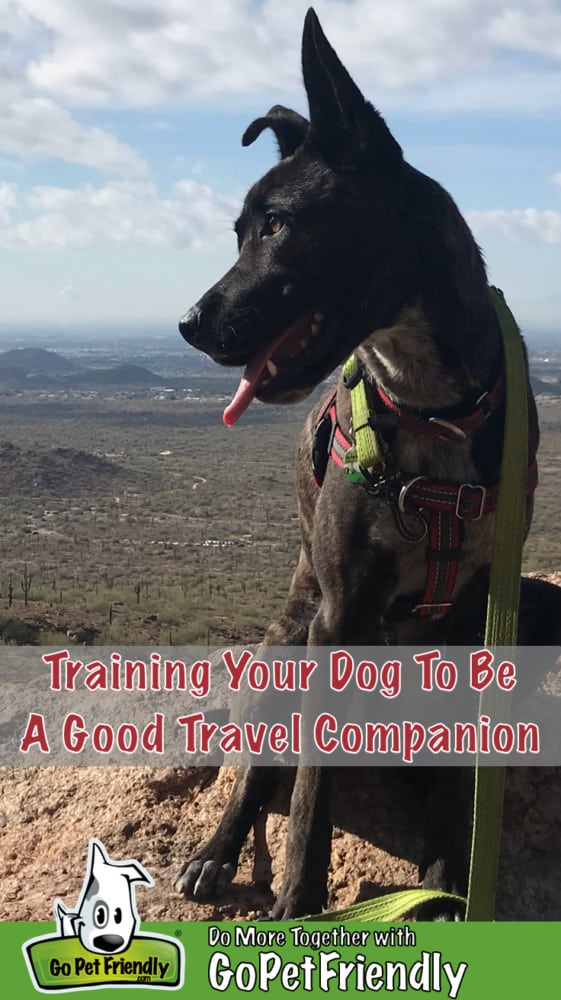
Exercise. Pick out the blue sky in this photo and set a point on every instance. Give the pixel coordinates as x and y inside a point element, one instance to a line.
<point>121,169</point>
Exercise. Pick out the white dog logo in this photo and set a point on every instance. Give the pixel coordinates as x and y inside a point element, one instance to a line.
<point>105,917</point>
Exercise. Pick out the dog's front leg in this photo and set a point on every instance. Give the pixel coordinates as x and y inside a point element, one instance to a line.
<point>447,828</point>
<point>308,846</point>
<point>214,865</point>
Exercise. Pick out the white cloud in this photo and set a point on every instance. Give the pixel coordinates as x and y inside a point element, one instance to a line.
<point>8,200</point>
<point>36,128</point>
<point>520,224</point>
<point>529,27</point>
<point>16,22</point>
<point>143,52</point>
<point>64,59</point>
<point>68,292</point>
<point>60,55</point>
<point>120,213</point>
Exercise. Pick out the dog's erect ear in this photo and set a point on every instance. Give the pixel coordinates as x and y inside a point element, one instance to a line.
<point>345,128</point>
<point>290,129</point>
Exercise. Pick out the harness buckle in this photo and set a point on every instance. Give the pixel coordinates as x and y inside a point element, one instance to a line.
<point>467,515</point>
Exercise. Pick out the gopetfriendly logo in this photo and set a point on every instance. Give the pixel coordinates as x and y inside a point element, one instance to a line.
<point>97,944</point>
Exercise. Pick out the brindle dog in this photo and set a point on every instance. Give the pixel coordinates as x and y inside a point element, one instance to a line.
<point>343,246</point>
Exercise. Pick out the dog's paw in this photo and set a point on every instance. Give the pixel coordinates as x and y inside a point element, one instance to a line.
<point>441,912</point>
<point>295,903</point>
<point>202,879</point>
<point>436,877</point>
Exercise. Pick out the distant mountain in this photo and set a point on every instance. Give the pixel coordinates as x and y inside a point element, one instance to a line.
<point>12,378</point>
<point>121,375</point>
<point>39,369</point>
<point>34,368</point>
<point>36,361</point>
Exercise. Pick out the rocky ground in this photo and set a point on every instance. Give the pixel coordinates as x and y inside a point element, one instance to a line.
<point>160,815</point>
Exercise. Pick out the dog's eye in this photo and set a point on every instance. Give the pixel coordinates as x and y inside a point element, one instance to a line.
<point>118,915</point>
<point>273,225</point>
<point>100,915</point>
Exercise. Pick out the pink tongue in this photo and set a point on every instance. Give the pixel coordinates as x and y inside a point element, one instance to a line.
<point>251,377</point>
<point>245,391</point>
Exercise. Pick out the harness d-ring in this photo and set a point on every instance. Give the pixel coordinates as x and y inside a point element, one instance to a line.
<point>398,510</point>
<point>405,490</point>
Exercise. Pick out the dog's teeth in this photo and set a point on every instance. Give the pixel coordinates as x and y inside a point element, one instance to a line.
<point>316,327</point>
<point>319,317</point>
<point>272,368</point>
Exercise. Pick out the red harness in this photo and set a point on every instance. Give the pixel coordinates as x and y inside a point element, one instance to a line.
<point>444,506</point>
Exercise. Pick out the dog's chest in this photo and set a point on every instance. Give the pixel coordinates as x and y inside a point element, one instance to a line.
<point>362,528</point>
<point>439,459</point>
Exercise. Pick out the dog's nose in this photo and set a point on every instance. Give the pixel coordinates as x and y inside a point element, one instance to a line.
<point>108,942</point>
<point>189,324</point>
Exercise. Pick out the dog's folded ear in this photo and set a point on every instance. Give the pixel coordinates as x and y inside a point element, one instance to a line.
<point>345,129</point>
<point>290,129</point>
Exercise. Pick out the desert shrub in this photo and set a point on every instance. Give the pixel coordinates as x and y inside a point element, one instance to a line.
<point>18,633</point>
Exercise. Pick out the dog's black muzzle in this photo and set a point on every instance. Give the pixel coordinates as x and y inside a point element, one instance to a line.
<point>190,326</point>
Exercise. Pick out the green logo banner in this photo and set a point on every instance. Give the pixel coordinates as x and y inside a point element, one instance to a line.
<point>282,960</point>
<point>61,964</point>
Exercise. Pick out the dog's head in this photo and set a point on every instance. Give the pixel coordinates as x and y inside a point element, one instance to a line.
<point>106,917</point>
<point>323,248</point>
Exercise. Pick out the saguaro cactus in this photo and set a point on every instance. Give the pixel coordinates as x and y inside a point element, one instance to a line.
<point>26,583</point>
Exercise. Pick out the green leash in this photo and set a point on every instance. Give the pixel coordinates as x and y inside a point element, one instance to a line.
<point>510,518</point>
<point>501,626</point>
